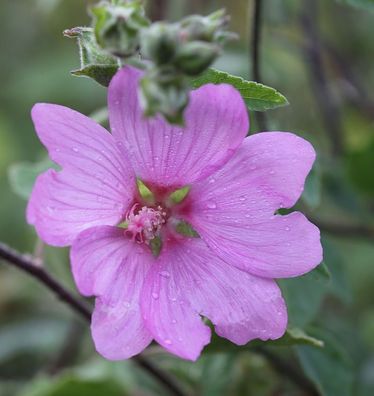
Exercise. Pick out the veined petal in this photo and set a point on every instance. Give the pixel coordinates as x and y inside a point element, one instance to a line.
<point>167,312</point>
<point>108,265</point>
<point>165,155</point>
<point>233,210</point>
<point>96,184</point>
<point>241,306</point>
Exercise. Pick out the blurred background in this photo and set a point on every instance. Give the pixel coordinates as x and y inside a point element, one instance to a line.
<point>320,55</point>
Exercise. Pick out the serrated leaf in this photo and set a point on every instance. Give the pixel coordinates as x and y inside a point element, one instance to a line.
<point>258,97</point>
<point>22,176</point>
<point>363,4</point>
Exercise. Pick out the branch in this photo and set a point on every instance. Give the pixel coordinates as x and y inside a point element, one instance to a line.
<point>344,229</point>
<point>284,368</point>
<point>325,100</point>
<point>30,266</point>
<point>254,51</point>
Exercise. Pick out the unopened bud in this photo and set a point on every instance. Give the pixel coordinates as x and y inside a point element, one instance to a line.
<point>194,57</point>
<point>159,42</point>
<point>117,26</point>
<point>168,98</point>
<point>197,27</point>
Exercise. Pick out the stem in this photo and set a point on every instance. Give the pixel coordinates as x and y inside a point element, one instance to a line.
<point>344,229</point>
<point>255,52</point>
<point>319,82</point>
<point>284,368</point>
<point>30,266</point>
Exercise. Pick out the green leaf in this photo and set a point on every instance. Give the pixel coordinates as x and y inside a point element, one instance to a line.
<point>313,188</point>
<point>363,4</point>
<point>258,97</point>
<point>329,368</point>
<point>95,63</point>
<point>71,385</point>
<point>304,295</point>
<point>22,176</point>
<point>292,336</point>
<point>296,336</point>
<point>100,73</point>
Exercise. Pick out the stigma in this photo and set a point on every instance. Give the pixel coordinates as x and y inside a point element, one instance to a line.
<point>145,224</point>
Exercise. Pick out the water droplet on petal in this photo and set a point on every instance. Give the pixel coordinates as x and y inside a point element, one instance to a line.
<point>164,274</point>
<point>75,149</point>
<point>168,342</point>
<point>211,205</point>
<point>155,296</point>
<point>287,228</point>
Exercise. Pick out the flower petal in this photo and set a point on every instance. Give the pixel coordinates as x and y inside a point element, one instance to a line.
<point>96,184</point>
<point>216,124</point>
<point>108,265</point>
<point>167,313</point>
<point>241,306</point>
<point>233,210</point>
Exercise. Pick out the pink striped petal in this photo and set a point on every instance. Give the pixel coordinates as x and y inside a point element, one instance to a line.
<point>166,155</point>
<point>107,265</point>
<point>233,210</point>
<point>95,186</point>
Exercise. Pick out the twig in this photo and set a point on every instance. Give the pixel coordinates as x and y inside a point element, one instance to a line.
<point>284,368</point>
<point>344,229</point>
<point>325,100</point>
<point>69,349</point>
<point>255,52</point>
<point>357,94</point>
<point>29,265</point>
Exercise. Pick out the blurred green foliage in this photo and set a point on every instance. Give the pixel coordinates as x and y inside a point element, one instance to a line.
<point>335,306</point>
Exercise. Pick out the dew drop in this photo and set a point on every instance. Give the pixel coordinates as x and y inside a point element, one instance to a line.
<point>173,321</point>
<point>155,296</point>
<point>164,274</point>
<point>287,228</point>
<point>168,342</point>
<point>75,149</point>
<point>211,205</point>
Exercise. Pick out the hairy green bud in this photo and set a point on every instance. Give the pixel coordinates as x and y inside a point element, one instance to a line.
<point>117,26</point>
<point>194,57</point>
<point>159,42</point>
<point>166,93</point>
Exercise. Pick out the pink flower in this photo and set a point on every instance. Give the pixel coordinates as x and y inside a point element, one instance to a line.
<point>236,185</point>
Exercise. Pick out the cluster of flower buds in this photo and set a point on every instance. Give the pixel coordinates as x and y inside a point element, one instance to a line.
<point>176,51</point>
<point>170,53</point>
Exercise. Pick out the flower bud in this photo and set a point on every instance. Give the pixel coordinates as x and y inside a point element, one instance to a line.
<point>197,27</point>
<point>117,26</point>
<point>159,42</point>
<point>168,96</point>
<point>194,57</point>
